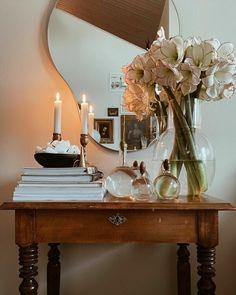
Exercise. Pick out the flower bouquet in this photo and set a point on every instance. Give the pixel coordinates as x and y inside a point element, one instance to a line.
<point>184,72</point>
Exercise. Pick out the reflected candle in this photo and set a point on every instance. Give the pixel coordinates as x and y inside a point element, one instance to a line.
<point>91,120</point>
<point>57,114</point>
<point>84,115</point>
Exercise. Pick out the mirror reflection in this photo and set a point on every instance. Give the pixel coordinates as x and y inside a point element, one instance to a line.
<point>90,60</point>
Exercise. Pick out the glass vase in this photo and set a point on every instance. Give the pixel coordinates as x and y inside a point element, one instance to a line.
<point>119,182</point>
<point>188,150</point>
<point>142,189</point>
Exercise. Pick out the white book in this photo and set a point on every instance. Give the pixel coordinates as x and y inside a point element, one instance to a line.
<point>98,193</point>
<point>40,184</point>
<point>62,178</point>
<point>59,171</point>
<point>41,198</point>
<point>28,193</point>
<point>57,191</point>
<point>88,195</point>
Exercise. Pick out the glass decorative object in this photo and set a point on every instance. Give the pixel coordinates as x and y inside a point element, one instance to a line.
<point>142,186</point>
<point>136,168</point>
<point>166,186</point>
<point>119,182</point>
<point>189,151</point>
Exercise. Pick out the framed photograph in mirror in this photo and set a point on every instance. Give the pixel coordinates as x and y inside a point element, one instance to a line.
<point>136,133</point>
<point>117,82</point>
<point>105,129</point>
<point>112,112</point>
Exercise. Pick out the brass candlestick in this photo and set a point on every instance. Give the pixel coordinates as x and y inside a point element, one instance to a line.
<point>56,136</point>
<point>83,142</point>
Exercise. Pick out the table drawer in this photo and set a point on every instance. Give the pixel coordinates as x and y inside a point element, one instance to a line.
<point>89,226</point>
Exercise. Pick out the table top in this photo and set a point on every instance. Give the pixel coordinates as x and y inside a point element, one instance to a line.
<point>203,202</point>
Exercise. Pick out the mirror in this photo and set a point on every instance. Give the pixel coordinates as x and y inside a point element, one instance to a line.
<point>90,60</point>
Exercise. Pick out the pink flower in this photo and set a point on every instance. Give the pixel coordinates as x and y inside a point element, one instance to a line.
<point>191,78</point>
<point>137,99</point>
<point>166,75</point>
<point>140,70</point>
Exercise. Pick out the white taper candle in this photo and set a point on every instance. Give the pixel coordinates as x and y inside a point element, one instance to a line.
<point>57,114</point>
<point>91,120</point>
<point>84,115</point>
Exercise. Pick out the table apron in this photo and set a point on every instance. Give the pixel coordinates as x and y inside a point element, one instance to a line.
<point>105,226</point>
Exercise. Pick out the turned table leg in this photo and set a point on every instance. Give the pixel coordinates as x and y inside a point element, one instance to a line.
<point>28,258</point>
<point>183,270</point>
<point>206,258</point>
<point>53,270</point>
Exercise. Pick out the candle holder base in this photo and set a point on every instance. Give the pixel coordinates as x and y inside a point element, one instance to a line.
<point>82,162</point>
<point>83,142</point>
<point>56,136</point>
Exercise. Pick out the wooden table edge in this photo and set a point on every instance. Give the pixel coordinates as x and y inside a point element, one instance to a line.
<point>206,203</point>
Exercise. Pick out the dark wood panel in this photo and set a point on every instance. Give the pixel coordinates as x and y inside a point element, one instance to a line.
<point>24,224</point>
<point>208,229</point>
<point>85,226</point>
<point>136,21</point>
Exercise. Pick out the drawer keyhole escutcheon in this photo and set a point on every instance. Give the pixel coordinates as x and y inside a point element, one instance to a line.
<point>117,219</point>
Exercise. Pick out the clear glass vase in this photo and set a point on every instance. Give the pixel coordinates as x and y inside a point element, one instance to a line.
<point>119,182</point>
<point>188,150</point>
<point>142,189</point>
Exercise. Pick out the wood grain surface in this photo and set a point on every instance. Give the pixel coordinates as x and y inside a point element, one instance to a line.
<point>182,203</point>
<point>136,21</point>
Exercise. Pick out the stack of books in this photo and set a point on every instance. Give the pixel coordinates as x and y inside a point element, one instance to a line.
<point>60,184</point>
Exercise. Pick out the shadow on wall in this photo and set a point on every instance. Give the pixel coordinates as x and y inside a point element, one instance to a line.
<point>125,269</point>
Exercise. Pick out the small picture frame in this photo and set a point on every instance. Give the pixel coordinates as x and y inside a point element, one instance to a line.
<point>117,82</point>
<point>137,133</point>
<point>112,112</point>
<point>105,129</point>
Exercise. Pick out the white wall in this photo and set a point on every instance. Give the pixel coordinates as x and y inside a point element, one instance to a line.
<point>208,19</point>
<point>28,83</point>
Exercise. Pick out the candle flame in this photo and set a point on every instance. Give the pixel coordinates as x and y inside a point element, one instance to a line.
<point>84,98</point>
<point>58,96</point>
<point>90,108</point>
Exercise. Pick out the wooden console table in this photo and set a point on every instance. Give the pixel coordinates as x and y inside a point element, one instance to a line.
<point>182,221</point>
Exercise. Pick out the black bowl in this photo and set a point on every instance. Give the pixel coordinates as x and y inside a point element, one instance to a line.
<point>56,160</point>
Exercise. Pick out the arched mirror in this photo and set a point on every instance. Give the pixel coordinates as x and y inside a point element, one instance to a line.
<point>90,59</point>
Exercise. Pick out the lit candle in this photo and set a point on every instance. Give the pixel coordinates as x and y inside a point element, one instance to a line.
<point>84,115</point>
<point>91,120</point>
<point>57,114</point>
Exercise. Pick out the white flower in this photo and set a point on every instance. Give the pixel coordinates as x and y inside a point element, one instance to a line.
<point>169,51</point>
<point>206,69</point>
<point>224,51</point>
<point>192,41</point>
<point>192,68</point>
<point>156,43</point>
<point>200,54</point>
<point>227,91</point>
<point>140,70</point>
<point>137,98</point>
<point>160,34</point>
<point>191,78</point>
<point>218,78</point>
<point>167,75</point>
